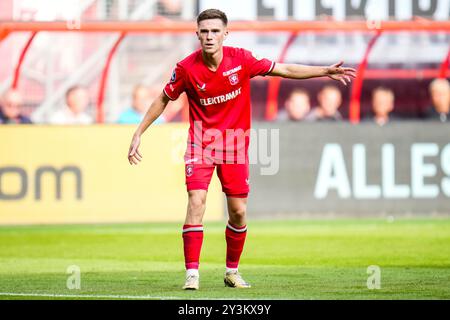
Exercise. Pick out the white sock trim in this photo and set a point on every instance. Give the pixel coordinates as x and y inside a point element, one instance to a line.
<point>229,226</point>
<point>192,272</point>
<point>190,229</point>
<point>228,270</point>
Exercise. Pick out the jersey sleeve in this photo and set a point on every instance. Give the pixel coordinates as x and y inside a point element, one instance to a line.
<point>177,83</point>
<point>257,66</point>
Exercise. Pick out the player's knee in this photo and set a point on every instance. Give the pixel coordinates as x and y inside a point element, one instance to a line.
<point>238,212</point>
<point>196,203</point>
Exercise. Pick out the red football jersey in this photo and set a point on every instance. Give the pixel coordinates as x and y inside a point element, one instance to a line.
<point>219,102</point>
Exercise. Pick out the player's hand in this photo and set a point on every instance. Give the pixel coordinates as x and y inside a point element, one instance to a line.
<point>342,74</point>
<point>134,156</point>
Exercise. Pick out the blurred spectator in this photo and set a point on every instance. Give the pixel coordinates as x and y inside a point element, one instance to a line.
<point>440,99</point>
<point>382,105</point>
<point>330,99</point>
<point>141,100</point>
<point>296,107</point>
<point>170,7</point>
<point>177,110</point>
<point>74,112</point>
<point>10,108</point>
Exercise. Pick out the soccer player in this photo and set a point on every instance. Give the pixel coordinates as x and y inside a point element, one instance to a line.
<point>216,80</point>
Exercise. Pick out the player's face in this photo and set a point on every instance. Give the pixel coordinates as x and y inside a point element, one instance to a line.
<point>211,33</point>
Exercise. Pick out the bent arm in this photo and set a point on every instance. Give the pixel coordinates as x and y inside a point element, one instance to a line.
<point>155,110</point>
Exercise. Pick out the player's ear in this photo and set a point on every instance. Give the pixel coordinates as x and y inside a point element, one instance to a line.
<point>198,35</point>
<point>225,33</point>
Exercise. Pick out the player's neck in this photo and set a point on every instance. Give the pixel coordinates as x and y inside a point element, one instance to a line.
<point>212,61</point>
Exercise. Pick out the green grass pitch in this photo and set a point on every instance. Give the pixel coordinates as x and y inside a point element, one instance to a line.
<point>301,259</point>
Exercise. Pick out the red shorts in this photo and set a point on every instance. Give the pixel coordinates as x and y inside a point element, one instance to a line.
<point>233,177</point>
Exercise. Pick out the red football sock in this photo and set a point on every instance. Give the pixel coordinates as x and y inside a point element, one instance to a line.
<point>192,240</point>
<point>235,237</point>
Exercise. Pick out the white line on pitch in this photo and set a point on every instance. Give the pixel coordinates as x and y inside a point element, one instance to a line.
<point>100,296</point>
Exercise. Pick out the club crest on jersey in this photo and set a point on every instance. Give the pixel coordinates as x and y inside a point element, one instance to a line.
<point>189,170</point>
<point>202,88</point>
<point>173,77</point>
<point>233,79</point>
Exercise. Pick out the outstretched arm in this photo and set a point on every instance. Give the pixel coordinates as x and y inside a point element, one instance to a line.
<point>155,110</point>
<point>298,71</point>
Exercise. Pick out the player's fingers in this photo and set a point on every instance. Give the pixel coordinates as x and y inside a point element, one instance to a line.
<point>350,70</point>
<point>133,150</point>
<point>343,81</point>
<point>337,65</point>
<point>349,80</point>
<point>138,153</point>
<point>133,159</point>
